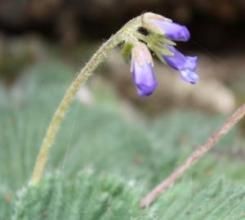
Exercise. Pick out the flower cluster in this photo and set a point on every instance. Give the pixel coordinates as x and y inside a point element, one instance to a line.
<point>162,33</point>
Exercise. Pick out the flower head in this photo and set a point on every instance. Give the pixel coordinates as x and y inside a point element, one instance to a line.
<point>142,70</point>
<point>186,65</point>
<point>159,37</point>
<point>166,27</point>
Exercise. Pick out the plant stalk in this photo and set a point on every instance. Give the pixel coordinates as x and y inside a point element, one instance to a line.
<point>126,33</point>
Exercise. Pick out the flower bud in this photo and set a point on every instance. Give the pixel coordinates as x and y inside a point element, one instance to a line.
<point>142,70</point>
<point>166,27</point>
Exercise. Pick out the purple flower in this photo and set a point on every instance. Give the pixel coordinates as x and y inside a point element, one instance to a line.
<point>172,30</point>
<point>142,70</point>
<point>160,36</point>
<point>166,27</point>
<point>186,65</point>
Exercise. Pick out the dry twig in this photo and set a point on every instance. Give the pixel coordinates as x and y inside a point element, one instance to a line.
<point>195,156</point>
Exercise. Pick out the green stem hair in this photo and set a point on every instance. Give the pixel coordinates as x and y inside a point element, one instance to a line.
<point>126,33</point>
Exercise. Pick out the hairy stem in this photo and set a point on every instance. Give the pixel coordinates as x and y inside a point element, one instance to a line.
<point>195,156</point>
<point>126,33</point>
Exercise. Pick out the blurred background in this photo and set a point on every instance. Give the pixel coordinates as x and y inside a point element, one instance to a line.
<point>44,43</point>
<point>33,31</point>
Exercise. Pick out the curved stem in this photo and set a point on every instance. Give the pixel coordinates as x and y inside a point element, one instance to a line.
<point>123,34</point>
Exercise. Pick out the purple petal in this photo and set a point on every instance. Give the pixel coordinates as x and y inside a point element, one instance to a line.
<point>186,65</point>
<point>173,31</point>
<point>144,78</point>
<point>189,76</point>
<point>142,70</point>
<point>191,63</point>
<point>177,61</point>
